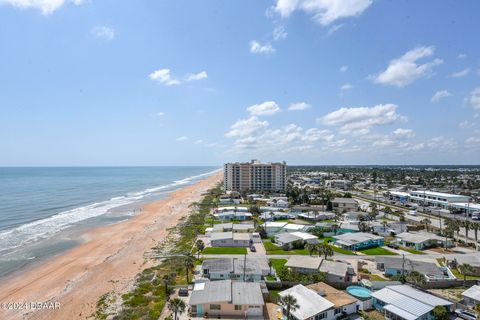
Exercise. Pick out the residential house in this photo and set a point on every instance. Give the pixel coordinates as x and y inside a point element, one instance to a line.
<point>313,303</point>
<point>337,271</point>
<point>393,266</point>
<point>473,260</point>
<point>422,240</point>
<point>344,303</point>
<point>286,240</point>
<point>471,296</point>
<point>304,264</point>
<point>275,227</point>
<point>231,215</point>
<point>344,204</point>
<point>358,241</point>
<point>249,269</point>
<point>406,302</point>
<point>227,298</point>
<point>230,239</point>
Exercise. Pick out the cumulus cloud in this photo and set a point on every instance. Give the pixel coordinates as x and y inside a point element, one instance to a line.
<point>103,32</point>
<point>440,95</point>
<point>246,127</point>
<point>279,33</point>
<point>361,120</point>
<point>298,106</point>
<point>344,68</point>
<point>199,141</point>
<point>405,70</point>
<point>466,124</point>
<point>197,76</point>
<point>163,76</point>
<point>472,142</point>
<point>267,108</point>
<point>324,12</point>
<point>474,98</point>
<point>403,133</point>
<point>257,48</point>
<point>182,138</point>
<point>160,114</point>
<point>461,73</point>
<point>346,86</point>
<point>462,56</point>
<point>46,6</point>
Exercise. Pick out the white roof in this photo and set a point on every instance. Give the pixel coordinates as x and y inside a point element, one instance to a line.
<point>409,300</point>
<point>304,235</point>
<point>293,226</point>
<point>473,293</point>
<point>418,237</point>
<point>399,312</point>
<point>275,224</point>
<point>353,238</point>
<point>309,301</point>
<point>306,262</point>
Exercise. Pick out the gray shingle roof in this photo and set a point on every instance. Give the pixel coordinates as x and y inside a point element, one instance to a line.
<point>227,291</point>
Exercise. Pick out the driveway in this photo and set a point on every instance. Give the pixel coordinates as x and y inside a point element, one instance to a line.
<point>260,249</point>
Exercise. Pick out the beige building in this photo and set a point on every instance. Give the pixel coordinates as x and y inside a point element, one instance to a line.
<point>255,176</point>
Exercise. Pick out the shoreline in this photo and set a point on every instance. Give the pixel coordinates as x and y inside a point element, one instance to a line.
<point>107,259</point>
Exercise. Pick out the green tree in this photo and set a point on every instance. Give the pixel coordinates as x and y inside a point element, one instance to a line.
<point>311,248</point>
<point>416,277</point>
<point>177,306</point>
<point>475,228</point>
<point>200,246</point>
<point>426,222</point>
<point>467,225</point>
<point>324,249</point>
<point>188,261</point>
<point>465,269</point>
<point>440,313</point>
<point>168,279</point>
<point>289,303</point>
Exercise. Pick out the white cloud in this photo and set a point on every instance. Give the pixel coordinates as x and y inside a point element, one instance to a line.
<point>199,141</point>
<point>466,124</point>
<point>279,33</point>
<point>197,76</point>
<point>474,98</point>
<point>163,76</point>
<point>461,73</point>
<point>346,86</point>
<point>334,28</point>
<point>323,11</point>
<point>472,142</point>
<point>403,133</point>
<point>246,127</point>
<point>182,138</point>
<point>361,120</point>
<point>257,48</point>
<point>267,108</point>
<point>462,56</point>
<point>440,95</point>
<point>405,70</point>
<point>103,32</point>
<point>298,106</point>
<point>344,68</point>
<point>46,6</point>
<point>160,114</point>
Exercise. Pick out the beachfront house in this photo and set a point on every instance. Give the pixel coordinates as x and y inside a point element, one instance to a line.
<point>275,227</point>
<point>234,227</point>
<point>405,302</point>
<point>344,204</point>
<point>393,266</point>
<point>319,301</point>
<point>422,240</point>
<point>226,298</point>
<point>287,240</point>
<point>471,296</point>
<point>357,241</point>
<point>335,271</point>
<point>230,239</point>
<point>234,269</point>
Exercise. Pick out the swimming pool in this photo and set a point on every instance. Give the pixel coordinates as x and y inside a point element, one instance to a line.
<point>359,292</point>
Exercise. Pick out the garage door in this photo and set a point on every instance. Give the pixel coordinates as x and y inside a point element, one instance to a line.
<point>254,311</point>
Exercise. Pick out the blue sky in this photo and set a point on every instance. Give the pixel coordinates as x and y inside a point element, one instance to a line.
<point>90,82</point>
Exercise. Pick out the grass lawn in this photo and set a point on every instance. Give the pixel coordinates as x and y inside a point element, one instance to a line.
<point>277,264</point>
<point>376,277</point>
<point>459,275</point>
<point>343,251</point>
<point>271,248</point>
<point>378,252</point>
<point>412,251</point>
<point>224,250</point>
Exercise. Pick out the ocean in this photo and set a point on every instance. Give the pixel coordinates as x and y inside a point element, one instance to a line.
<point>44,210</point>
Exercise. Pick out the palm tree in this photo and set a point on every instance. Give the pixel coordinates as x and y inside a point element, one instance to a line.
<point>467,225</point>
<point>168,279</point>
<point>270,265</point>
<point>324,249</point>
<point>384,224</point>
<point>200,246</point>
<point>335,228</point>
<point>387,210</point>
<point>475,228</point>
<point>189,260</point>
<point>373,211</point>
<point>426,222</point>
<point>289,303</point>
<point>311,248</point>
<point>177,306</point>
<point>416,277</point>
<point>464,269</point>
<point>363,226</point>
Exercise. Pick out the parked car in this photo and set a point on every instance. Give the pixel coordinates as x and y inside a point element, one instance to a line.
<point>465,314</point>
<point>253,249</point>
<point>393,245</point>
<point>183,292</point>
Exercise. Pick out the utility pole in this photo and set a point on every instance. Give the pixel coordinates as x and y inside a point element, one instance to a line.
<point>403,267</point>
<point>244,265</point>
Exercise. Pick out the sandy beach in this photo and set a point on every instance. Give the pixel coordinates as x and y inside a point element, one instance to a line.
<point>107,260</point>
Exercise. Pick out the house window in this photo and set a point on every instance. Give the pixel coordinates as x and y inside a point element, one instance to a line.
<point>321,316</point>
<point>215,307</point>
<point>238,307</point>
<point>337,311</point>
